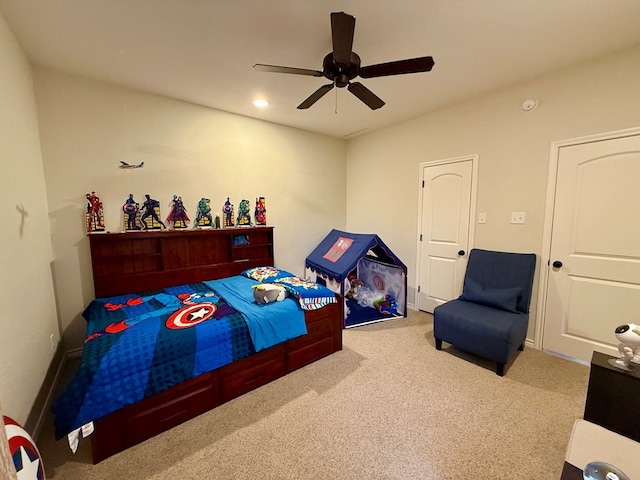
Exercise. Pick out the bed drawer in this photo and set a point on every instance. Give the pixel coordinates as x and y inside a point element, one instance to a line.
<point>252,372</point>
<point>316,330</point>
<point>157,415</point>
<point>309,354</point>
<point>151,416</point>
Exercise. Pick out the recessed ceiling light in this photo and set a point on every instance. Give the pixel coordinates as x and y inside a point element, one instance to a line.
<point>260,103</point>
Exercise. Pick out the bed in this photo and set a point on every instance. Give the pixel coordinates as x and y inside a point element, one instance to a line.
<point>195,285</point>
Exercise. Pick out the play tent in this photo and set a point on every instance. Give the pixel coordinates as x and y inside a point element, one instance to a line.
<point>343,257</point>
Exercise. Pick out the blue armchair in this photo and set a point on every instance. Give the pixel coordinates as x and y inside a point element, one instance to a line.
<point>491,316</point>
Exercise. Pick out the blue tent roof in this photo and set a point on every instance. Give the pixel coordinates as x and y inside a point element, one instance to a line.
<point>339,253</point>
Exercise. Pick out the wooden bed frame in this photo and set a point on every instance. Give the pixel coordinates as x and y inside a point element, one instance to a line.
<point>139,261</point>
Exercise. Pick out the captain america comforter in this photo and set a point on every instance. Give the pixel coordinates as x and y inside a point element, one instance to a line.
<point>139,345</point>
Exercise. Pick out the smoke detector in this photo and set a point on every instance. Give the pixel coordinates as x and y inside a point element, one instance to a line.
<point>529,104</point>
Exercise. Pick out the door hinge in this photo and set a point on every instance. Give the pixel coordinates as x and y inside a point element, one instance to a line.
<point>420,237</point>
<point>422,183</point>
<point>418,288</point>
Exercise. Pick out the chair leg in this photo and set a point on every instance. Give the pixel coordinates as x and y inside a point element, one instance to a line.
<point>500,369</point>
<point>438,344</point>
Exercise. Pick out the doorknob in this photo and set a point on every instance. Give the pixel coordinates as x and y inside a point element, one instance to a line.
<point>460,252</point>
<point>557,264</point>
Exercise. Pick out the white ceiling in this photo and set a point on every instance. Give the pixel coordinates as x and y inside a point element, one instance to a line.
<point>203,51</point>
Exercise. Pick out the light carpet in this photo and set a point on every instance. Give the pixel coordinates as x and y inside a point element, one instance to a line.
<point>388,406</point>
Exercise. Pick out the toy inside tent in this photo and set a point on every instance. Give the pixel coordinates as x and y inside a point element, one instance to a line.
<point>370,277</point>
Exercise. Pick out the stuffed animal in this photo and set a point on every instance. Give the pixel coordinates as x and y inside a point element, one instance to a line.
<point>387,305</point>
<point>353,291</point>
<point>268,292</point>
<point>629,337</point>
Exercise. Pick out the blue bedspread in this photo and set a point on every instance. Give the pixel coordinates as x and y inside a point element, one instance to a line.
<point>269,323</point>
<point>139,345</point>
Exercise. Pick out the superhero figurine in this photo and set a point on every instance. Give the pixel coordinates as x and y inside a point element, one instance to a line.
<point>178,215</point>
<point>227,209</point>
<point>203,217</point>
<point>244,217</point>
<point>151,208</point>
<point>260,212</point>
<point>131,209</point>
<point>95,216</point>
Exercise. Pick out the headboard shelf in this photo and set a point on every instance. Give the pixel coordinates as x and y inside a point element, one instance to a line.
<point>130,261</point>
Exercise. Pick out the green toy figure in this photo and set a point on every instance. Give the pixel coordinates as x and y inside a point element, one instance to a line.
<point>244,217</point>
<point>203,217</point>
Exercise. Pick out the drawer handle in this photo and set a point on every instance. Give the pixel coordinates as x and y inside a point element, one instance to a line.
<point>254,378</point>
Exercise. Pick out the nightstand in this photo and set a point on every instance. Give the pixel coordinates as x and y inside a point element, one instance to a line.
<point>612,397</point>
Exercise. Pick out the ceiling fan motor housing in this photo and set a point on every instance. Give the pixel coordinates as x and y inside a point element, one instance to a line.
<point>341,75</point>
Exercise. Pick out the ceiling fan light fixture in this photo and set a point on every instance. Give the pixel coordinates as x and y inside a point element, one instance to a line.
<point>260,103</point>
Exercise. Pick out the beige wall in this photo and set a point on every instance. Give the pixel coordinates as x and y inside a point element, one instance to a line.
<point>513,148</point>
<point>27,306</point>
<point>87,127</point>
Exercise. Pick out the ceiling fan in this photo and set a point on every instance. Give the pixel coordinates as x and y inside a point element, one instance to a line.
<point>343,65</point>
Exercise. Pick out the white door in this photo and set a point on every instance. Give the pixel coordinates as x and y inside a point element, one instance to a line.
<point>596,239</point>
<point>444,238</point>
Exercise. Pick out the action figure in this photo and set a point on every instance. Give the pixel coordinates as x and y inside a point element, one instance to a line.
<point>244,217</point>
<point>203,217</point>
<point>178,215</point>
<point>629,337</point>
<point>149,208</point>
<point>95,216</point>
<point>261,212</point>
<point>227,209</point>
<point>131,208</point>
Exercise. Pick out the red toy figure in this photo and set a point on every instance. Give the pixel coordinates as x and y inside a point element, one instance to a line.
<point>260,212</point>
<point>178,215</point>
<point>95,217</point>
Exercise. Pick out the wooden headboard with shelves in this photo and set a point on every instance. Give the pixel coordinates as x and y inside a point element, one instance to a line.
<point>148,260</point>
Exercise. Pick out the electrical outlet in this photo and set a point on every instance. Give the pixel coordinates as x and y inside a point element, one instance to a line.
<point>52,339</point>
<point>482,218</point>
<point>517,217</point>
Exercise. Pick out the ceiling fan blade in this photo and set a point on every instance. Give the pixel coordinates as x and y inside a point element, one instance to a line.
<point>366,95</point>
<point>342,28</point>
<point>295,71</point>
<point>315,96</point>
<point>400,67</point>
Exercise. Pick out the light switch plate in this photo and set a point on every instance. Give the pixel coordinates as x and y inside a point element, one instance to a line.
<point>517,217</point>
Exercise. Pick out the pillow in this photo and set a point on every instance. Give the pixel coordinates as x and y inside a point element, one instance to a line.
<point>266,274</point>
<point>310,295</point>
<point>502,298</point>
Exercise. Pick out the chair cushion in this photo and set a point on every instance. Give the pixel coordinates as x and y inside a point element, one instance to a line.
<point>489,332</point>
<point>502,298</point>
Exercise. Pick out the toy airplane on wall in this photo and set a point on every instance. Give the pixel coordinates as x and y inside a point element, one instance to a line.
<point>128,165</point>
